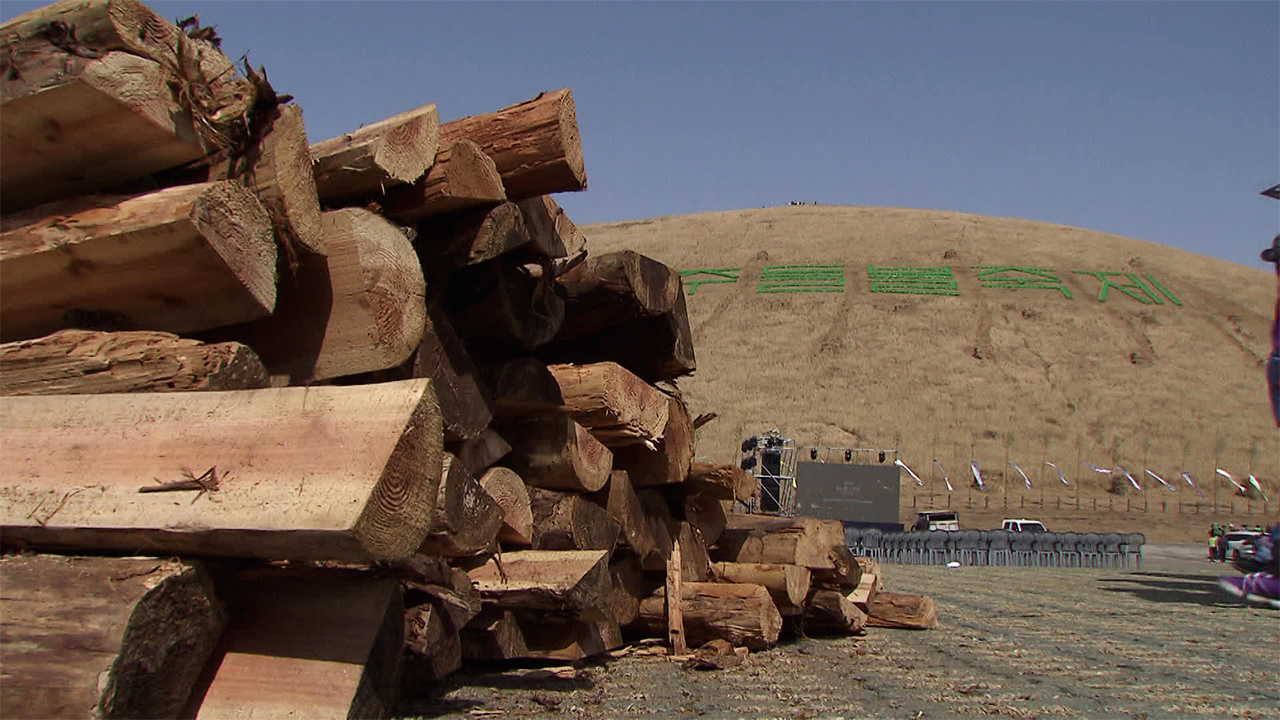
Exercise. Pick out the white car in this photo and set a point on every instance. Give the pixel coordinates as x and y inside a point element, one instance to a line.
<point>1236,540</point>
<point>1023,525</point>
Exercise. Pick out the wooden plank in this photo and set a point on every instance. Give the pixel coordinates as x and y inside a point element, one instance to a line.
<point>569,521</point>
<point>358,308</point>
<point>355,167</point>
<point>463,177</point>
<point>669,462</point>
<point>522,388</point>
<point>576,581</point>
<point>865,592</point>
<point>75,362</point>
<point>320,473</point>
<point>739,613</point>
<point>616,406</point>
<point>619,500</point>
<point>558,454</point>
<point>181,259</point>
<point>902,610</point>
<point>788,585</point>
<point>308,642</point>
<point>104,637</point>
<point>534,144</point>
<point>512,496</point>
<point>672,597</point>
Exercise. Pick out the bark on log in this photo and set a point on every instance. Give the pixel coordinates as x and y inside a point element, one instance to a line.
<point>901,610</point>
<point>828,611</point>
<point>467,519</point>
<point>655,348</point>
<point>846,573</point>
<point>499,305</point>
<point>764,539</point>
<point>463,177</point>
<point>101,256</point>
<point>695,563</point>
<point>104,637</point>
<point>308,642</point>
<point>568,640</point>
<point>569,521</point>
<point>627,588</point>
<point>360,308</point>
<point>320,473</point>
<point>433,647</point>
<point>616,406</point>
<point>551,233</point>
<point>610,289</point>
<point>494,634</point>
<point>512,496</point>
<point>78,362</point>
<point>471,236</point>
<point>669,463</point>
<point>534,144</point>
<point>619,500</point>
<point>558,454</point>
<point>484,450</point>
<point>722,482</point>
<point>354,168</point>
<point>278,169</point>
<point>521,388</point>
<point>739,613</point>
<point>573,581</point>
<point>448,588</point>
<point>788,585</point>
<point>665,527</point>
<point>707,515</point>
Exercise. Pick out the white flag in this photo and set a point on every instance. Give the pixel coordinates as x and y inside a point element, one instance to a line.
<point>1159,479</point>
<point>1132,482</point>
<point>1025,479</point>
<point>1227,475</point>
<point>1095,468</point>
<point>945,479</point>
<point>903,465</point>
<point>1187,476</point>
<point>1254,482</point>
<point>1061,477</point>
<point>973,465</point>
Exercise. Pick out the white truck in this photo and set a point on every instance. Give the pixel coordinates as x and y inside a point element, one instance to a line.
<point>1023,525</point>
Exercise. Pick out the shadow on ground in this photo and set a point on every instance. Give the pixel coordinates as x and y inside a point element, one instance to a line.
<point>1163,587</point>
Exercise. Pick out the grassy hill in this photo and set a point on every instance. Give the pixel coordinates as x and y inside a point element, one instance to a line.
<point>1003,367</point>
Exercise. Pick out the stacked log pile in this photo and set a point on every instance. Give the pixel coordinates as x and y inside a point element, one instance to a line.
<point>373,392</point>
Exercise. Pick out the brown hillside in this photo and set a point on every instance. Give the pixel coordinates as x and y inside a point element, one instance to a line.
<point>1026,374</point>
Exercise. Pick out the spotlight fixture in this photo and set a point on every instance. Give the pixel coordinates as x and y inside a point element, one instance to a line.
<point>881,456</point>
<point>813,453</point>
<point>848,456</point>
<point>749,462</point>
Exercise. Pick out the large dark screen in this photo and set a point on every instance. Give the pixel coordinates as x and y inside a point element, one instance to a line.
<point>848,492</point>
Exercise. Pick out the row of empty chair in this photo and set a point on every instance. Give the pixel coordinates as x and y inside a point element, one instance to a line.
<point>998,547</point>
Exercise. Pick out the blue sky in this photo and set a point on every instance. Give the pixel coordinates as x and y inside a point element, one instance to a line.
<point>1154,120</point>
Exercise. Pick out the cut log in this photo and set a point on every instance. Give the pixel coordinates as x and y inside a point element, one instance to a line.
<point>627,578</point>
<point>463,177</point>
<point>467,519</point>
<point>558,454</point>
<point>500,306</point>
<point>180,259</point>
<point>828,611</point>
<point>616,406</point>
<point>667,464</point>
<point>673,591</point>
<point>845,575</point>
<point>308,642</point>
<point>610,289</point>
<point>320,473</point>
<point>104,637</point>
<point>433,647</point>
<point>512,496</point>
<point>550,229</point>
<point>78,362</point>
<point>707,515</point>
<point>448,588</point>
<point>901,610</point>
<point>472,236</point>
<point>695,563</point>
<point>865,592</point>
<point>483,451</point>
<point>788,585</point>
<point>569,521</point>
<point>665,528</point>
<point>723,482</point>
<point>871,567</point>
<point>765,539</point>
<point>534,144</point>
<point>655,348</point>
<point>619,499</point>
<point>573,581</point>
<point>106,121</point>
<point>568,640</point>
<point>354,168</point>
<point>739,613</point>
<point>494,634</point>
<point>358,309</point>
<point>278,169</point>
<point>522,388</point>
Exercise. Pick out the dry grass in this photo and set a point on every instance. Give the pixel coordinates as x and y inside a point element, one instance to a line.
<point>1023,374</point>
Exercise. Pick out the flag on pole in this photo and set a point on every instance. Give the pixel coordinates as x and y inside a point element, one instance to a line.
<point>1025,479</point>
<point>1095,468</point>
<point>1129,477</point>
<point>945,479</point>
<point>1187,476</point>
<point>1254,482</point>
<point>1061,477</point>
<point>903,465</point>
<point>977,476</point>
<point>1159,479</point>
<point>1227,475</point>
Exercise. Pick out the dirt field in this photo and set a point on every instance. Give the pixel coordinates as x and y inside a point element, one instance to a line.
<point>1155,642</point>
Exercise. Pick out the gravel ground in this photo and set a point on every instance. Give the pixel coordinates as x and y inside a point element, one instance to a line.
<point>1157,642</point>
